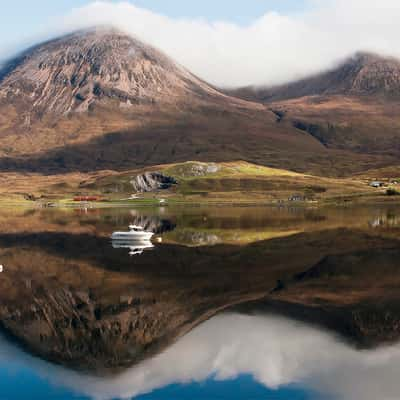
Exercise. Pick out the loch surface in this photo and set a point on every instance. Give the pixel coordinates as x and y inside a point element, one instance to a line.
<point>228,303</point>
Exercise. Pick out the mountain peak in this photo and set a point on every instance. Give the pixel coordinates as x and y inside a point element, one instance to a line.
<point>75,71</point>
<point>365,57</point>
<point>363,74</point>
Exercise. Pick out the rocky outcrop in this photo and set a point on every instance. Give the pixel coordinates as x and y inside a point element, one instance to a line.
<point>194,169</point>
<point>198,169</point>
<point>154,224</point>
<point>152,181</point>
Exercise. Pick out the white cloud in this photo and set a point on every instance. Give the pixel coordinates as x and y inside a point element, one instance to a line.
<point>275,351</point>
<point>273,49</point>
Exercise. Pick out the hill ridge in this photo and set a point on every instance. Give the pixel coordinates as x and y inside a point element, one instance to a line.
<point>362,74</point>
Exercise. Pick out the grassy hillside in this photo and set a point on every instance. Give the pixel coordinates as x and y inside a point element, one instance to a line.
<point>232,182</point>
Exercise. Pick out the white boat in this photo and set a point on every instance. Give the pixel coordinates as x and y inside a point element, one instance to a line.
<point>136,234</point>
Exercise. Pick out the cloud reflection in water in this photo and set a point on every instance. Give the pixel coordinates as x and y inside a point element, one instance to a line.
<point>275,351</point>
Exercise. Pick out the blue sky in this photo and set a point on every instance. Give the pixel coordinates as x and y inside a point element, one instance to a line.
<point>19,18</point>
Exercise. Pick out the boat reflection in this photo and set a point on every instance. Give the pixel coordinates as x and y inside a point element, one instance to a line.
<point>136,248</point>
<point>136,233</point>
<point>137,239</point>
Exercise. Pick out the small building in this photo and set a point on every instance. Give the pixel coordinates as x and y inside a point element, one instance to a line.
<point>86,198</point>
<point>296,197</point>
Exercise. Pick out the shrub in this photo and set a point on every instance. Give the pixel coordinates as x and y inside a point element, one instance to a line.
<point>392,192</point>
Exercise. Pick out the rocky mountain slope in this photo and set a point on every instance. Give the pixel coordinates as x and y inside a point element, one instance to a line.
<point>79,70</point>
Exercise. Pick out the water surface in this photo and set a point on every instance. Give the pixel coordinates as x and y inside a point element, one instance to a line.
<point>230,303</point>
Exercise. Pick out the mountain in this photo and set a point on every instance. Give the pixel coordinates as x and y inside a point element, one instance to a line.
<point>353,107</point>
<point>101,100</point>
<point>364,74</point>
<point>77,71</point>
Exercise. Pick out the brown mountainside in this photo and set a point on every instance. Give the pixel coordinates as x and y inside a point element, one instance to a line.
<point>353,107</point>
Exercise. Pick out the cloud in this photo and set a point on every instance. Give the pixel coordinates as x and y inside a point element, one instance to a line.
<point>275,351</point>
<point>272,49</point>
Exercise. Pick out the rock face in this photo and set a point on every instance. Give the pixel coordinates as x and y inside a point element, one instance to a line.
<point>152,181</point>
<point>78,70</point>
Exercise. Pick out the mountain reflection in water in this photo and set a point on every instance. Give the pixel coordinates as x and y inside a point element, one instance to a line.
<point>116,324</point>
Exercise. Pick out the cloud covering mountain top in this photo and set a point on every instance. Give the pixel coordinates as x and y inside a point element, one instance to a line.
<point>273,49</point>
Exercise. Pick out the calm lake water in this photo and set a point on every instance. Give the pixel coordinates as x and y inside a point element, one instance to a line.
<point>229,303</point>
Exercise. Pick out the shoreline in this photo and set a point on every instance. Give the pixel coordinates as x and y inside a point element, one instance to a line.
<point>339,201</point>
